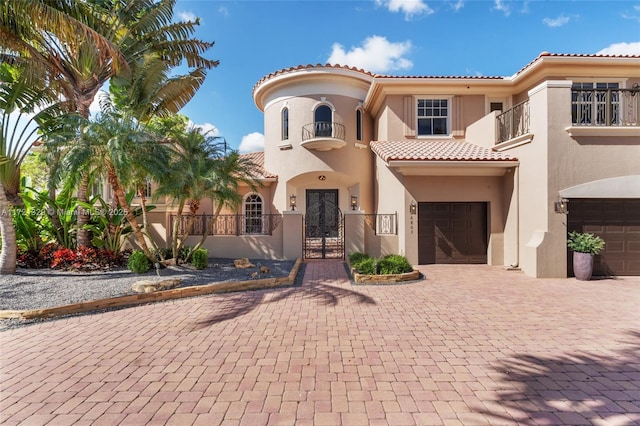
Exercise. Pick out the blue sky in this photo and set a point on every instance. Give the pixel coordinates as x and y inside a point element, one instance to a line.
<point>400,37</point>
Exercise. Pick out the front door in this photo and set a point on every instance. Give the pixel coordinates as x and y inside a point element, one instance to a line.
<point>323,225</point>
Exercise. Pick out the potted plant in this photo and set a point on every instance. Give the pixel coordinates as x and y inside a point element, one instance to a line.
<point>585,246</point>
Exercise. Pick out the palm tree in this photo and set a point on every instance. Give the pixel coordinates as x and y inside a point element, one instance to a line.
<point>186,180</point>
<point>79,46</point>
<point>223,181</point>
<point>9,249</point>
<point>26,109</point>
<point>125,149</point>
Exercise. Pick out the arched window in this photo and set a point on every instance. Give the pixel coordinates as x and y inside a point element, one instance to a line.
<point>359,124</point>
<point>285,124</point>
<point>253,214</point>
<point>322,118</point>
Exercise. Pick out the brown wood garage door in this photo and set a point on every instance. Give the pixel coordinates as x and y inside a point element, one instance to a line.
<point>618,223</point>
<point>452,233</point>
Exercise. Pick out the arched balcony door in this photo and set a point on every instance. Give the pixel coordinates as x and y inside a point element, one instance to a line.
<point>322,118</point>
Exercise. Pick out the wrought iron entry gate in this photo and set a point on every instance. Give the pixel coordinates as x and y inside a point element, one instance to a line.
<point>323,225</point>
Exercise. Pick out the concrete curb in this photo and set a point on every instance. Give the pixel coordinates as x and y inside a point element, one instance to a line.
<point>142,298</point>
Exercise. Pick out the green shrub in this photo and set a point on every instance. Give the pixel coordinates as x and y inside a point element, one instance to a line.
<point>585,243</point>
<point>357,257</point>
<point>394,264</point>
<point>200,258</point>
<point>138,262</point>
<point>367,266</point>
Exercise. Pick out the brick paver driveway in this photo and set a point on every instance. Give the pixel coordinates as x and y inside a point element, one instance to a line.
<point>469,345</point>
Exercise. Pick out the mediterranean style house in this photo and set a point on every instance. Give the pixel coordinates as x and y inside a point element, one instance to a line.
<point>445,169</point>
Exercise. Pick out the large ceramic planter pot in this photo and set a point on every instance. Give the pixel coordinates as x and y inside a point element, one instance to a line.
<point>582,265</point>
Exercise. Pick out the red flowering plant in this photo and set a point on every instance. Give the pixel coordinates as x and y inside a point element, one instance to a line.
<point>63,258</point>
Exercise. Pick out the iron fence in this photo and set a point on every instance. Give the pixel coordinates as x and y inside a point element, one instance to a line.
<point>228,224</point>
<point>605,107</point>
<point>513,122</point>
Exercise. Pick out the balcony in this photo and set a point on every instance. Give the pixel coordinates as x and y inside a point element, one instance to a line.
<point>605,112</point>
<point>513,124</point>
<point>323,136</point>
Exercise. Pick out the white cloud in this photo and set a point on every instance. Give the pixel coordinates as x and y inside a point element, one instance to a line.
<point>458,5</point>
<point>187,16</point>
<point>410,8</point>
<point>501,6</point>
<point>556,22</point>
<point>635,15</point>
<point>623,48</point>
<point>252,142</point>
<point>207,128</point>
<point>376,54</point>
<point>224,11</point>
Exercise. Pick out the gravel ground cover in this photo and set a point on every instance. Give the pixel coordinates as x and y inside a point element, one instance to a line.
<point>37,288</point>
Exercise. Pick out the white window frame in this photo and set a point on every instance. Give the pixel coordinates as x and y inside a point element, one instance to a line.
<point>284,126</point>
<point>449,120</point>
<point>248,225</point>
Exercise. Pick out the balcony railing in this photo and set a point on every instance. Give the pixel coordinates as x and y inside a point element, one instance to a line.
<point>605,107</point>
<point>513,123</point>
<point>229,224</point>
<point>322,129</point>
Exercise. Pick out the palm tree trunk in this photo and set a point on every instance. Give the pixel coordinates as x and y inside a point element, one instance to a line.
<point>118,192</point>
<point>9,246</point>
<point>176,243</point>
<point>145,222</point>
<point>207,231</point>
<point>83,237</point>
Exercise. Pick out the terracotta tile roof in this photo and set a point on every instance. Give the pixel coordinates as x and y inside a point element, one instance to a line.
<point>572,55</point>
<point>258,159</point>
<point>306,67</point>
<point>436,150</point>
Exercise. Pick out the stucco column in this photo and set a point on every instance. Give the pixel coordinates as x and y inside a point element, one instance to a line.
<point>292,234</point>
<point>353,232</point>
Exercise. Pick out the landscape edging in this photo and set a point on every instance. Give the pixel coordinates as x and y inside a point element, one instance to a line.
<point>142,298</point>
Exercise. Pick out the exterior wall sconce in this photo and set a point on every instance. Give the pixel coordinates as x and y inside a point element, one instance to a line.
<point>354,202</point>
<point>292,202</point>
<point>561,206</point>
<point>413,208</point>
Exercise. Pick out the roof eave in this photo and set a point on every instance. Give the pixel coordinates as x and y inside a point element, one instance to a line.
<point>453,167</point>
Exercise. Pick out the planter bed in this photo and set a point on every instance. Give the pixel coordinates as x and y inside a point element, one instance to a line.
<point>384,279</point>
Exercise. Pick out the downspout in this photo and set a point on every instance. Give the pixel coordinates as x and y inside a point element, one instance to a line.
<point>516,188</point>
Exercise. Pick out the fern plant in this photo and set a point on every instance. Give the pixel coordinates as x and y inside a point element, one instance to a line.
<point>585,242</point>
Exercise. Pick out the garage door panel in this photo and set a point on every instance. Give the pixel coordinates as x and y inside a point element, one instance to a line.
<point>452,232</point>
<point>618,223</point>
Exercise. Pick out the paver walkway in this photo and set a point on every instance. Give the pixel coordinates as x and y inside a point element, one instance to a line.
<point>469,345</point>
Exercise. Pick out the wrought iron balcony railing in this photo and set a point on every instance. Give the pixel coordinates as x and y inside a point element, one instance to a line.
<point>513,123</point>
<point>229,224</point>
<point>322,129</point>
<point>605,107</point>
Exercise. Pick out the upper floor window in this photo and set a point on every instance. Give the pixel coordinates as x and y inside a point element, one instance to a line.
<point>253,214</point>
<point>285,124</point>
<point>147,188</point>
<point>596,104</point>
<point>433,117</point>
<point>322,118</point>
<point>359,124</point>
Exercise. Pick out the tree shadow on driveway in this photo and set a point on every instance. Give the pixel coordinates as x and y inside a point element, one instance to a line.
<point>241,303</point>
<point>576,388</point>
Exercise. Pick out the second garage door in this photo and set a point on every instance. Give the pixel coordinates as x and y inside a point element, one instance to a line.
<point>618,223</point>
<point>452,232</point>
